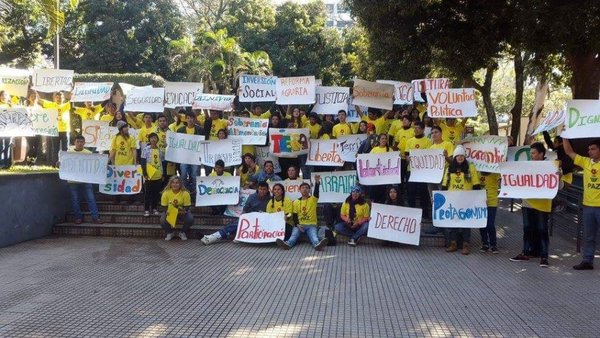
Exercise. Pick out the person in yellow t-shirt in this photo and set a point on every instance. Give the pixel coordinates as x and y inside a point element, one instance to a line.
<point>110,109</point>
<point>64,124</point>
<point>416,189</point>
<point>382,145</point>
<point>438,143</point>
<point>162,127</point>
<point>341,128</point>
<point>452,129</point>
<point>313,125</point>
<point>147,128</point>
<point>279,202</point>
<point>176,196</point>
<point>305,218</point>
<point>326,131</point>
<point>490,182</point>
<point>355,214</point>
<point>402,134</point>
<point>216,124</point>
<point>257,113</point>
<point>178,123</point>
<point>89,111</point>
<point>591,199</point>
<point>123,148</point>
<point>152,159</point>
<point>219,170</point>
<point>248,169</point>
<point>378,121</point>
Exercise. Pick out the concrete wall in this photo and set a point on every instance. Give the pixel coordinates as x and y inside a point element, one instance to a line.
<point>30,205</point>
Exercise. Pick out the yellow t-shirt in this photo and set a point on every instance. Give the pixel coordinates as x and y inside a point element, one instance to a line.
<point>133,122</point>
<point>175,126</point>
<point>379,150</point>
<point>265,115</point>
<point>86,113</point>
<point>544,205</point>
<point>190,131</point>
<point>491,184</point>
<point>284,205</point>
<point>162,138</point>
<point>591,180</point>
<point>379,123</point>
<point>457,181</point>
<point>144,132</point>
<point>245,178</point>
<point>180,199</point>
<point>107,117</point>
<point>341,129</point>
<point>313,129</point>
<point>394,126</point>
<point>124,149</point>
<point>444,145</point>
<point>452,134</point>
<point>306,210</point>
<point>362,210</point>
<point>64,114</point>
<point>155,162</point>
<point>402,135</point>
<point>216,126</point>
<point>225,173</point>
<point>417,143</point>
<point>325,137</point>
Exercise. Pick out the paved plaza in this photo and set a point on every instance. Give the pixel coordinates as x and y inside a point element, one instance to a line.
<point>120,287</point>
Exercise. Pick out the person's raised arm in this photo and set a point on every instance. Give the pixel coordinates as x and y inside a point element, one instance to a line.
<point>317,186</point>
<point>569,149</point>
<point>548,140</point>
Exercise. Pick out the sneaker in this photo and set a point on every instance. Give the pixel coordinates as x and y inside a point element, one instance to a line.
<point>321,244</point>
<point>352,242</point>
<point>544,262</point>
<point>146,213</point>
<point>155,212</point>
<point>169,236</point>
<point>519,258</point>
<point>210,239</point>
<point>495,250</point>
<point>282,244</point>
<point>484,248</point>
<point>182,236</point>
<point>584,266</point>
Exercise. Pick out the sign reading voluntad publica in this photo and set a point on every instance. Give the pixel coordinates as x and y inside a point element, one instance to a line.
<point>91,91</point>
<point>251,131</point>
<point>324,153</point>
<point>217,190</point>
<point>122,180</point>
<point>43,120</point>
<point>15,121</point>
<point>181,94</point>
<point>81,167</point>
<point>260,227</point>
<point>256,88</point>
<point>427,165</point>
<point>52,80</point>
<point>288,142</point>
<point>330,100</point>
<point>529,179</point>
<point>377,169</point>
<point>486,152</point>
<point>335,185</point>
<point>372,94</point>
<point>145,100</point>
<point>451,103</point>
<point>296,90</point>
<point>583,119</point>
<point>404,92</point>
<point>396,224</point>
<point>228,150</point>
<point>184,148</point>
<point>460,209</point>
<point>213,102</point>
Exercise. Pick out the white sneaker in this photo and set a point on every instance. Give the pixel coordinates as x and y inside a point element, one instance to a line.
<point>146,213</point>
<point>156,212</point>
<point>352,242</point>
<point>210,239</point>
<point>169,236</point>
<point>183,236</point>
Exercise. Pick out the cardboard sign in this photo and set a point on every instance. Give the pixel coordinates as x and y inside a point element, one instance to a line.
<point>529,179</point>
<point>52,80</point>
<point>372,94</point>
<point>428,84</point>
<point>82,167</point>
<point>486,152</point>
<point>335,185</point>
<point>460,209</point>
<point>330,100</point>
<point>213,102</point>
<point>97,134</point>
<point>264,154</point>
<point>348,146</point>
<point>582,119</point>
<point>16,85</point>
<point>181,94</point>
<point>43,120</point>
<point>296,90</point>
<point>236,210</point>
<point>288,142</point>
<point>451,103</point>
<point>551,120</point>
<point>377,169</point>
<point>122,180</point>
<point>396,224</point>
<point>290,187</point>
<point>91,91</point>
<point>145,100</point>
<point>523,153</point>
<point>404,92</point>
<point>184,148</point>
<point>251,131</point>
<point>324,153</point>
<point>228,150</point>
<point>15,121</point>
<point>427,165</point>
<point>217,190</point>
<point>256,88</point>
<point>260,227</point>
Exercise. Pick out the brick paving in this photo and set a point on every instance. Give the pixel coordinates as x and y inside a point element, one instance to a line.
<point>142,287</point>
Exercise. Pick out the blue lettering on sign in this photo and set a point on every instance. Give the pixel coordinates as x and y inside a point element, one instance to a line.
<point>449,212</point>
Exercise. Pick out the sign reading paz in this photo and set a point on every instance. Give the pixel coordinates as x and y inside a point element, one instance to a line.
<point>217,190</point>
<point>145,100</point>
<point>251,131</point>
<point>396,224</point>
<point>372,94</point>
<point>183,148</point>
<point>451,103</point>
<point>376,169</point>
<point>427,165</point>
<point>52,80</point>
<point>529,179</point>
<point>486,152</point>
<point>81,167</point>
<point>260,227</point>
<point>460,209</point>
<point>91,91</point>
<point>583,119</point>
<point>256,88</point>
<point>122,180</point>
<point>296,90</point>
<point>330,100</point>
<point>335,186</point>
<point>181,94</point>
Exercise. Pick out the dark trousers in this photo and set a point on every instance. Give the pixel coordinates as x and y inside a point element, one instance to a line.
<point>488,234</point>
<point>152,190</point>
<point>57,144</point>
<point>418,189</point>
<point>187,218</point>
<point>535,232</point>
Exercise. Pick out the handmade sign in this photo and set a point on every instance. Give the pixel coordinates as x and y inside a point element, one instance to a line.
<point>460,209</point>
<point>372,94</point>
<point>529,179</point>
<point>16,85</point>
<point>181,94</point>
<point>236,210</point>
<point>91,91</point>
<point>251,131</point>
<point>296,90</point>
<point>290,187</point>
<point>335,185</point>
<point>551,120</point>
<point>256,88</point>
<point>97,134</point>
<point>582,119</point>
<point>377,169</point>
<point>486,152</point>
<point>288,142</point>
<point>213,102</point>
<point>260,227</point>
<point>451,103</point>
<point>428,84</point>
<point>330,100</point>
<point>228,150</point>
<point>83,167</point>
<point>217,190</point>
<point>523,153</point>
<point>126,87</point>
<point>427,165</point>
<point>352,114</point>
<point>15,121</point>
<point>43,120</point>
<point>122,180</point>
<point>145,99</point>
<point>396,224</point>
<point>404,92</point>
<point>52,80</point>
<point>348,146</point>
<point>184,148</point>
<point>264,154</point>
<point>324,153</point>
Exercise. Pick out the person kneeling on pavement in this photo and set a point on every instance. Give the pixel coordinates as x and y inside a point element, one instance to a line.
<point>355,214</point>
<point>177,196</point>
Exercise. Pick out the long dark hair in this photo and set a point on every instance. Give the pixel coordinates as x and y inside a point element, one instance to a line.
<point>456,167</point>
<point>245,167</point>
<point>273,196</point>
<point>360,200</point>
<point>398,200</point>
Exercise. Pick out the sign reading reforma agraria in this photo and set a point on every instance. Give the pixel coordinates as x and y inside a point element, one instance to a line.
<point>427,165</point>
<point>256,88</point>
<point>251,131</point>
<point>288,142</point>
<point>396,224</point>
<point>122,180</point>
<point>213,102</point>
<point>486,152</point>
<point>260,227</point>
<point>529,179</point>
<point>181,94</point>
<point>451,103</point>
<point>376,169</point>
<point>460,209</point>
<point>330,100</point>
<point>82,167</point>
<point>52,80</point>
<point>145,99</point>
<point>183,148</point>
<point>296,90</point>
<point>217,190</point>
<point>372,94</point>
<point>91,91</point>
<point>583,119</point>
<point>335,185</point>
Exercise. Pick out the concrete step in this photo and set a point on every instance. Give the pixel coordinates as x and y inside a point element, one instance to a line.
<point>126,217</point>
<point>110,206</point>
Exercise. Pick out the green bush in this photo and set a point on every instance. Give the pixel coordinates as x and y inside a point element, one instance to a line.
<point>136,79</point>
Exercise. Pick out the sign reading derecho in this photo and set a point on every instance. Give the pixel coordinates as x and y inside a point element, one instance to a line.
<point>91,91</point>
<point>52,80</point>
<point>296,90</point>
<point>451,103</point>
<point>213,102</point>
<point>260,227</point>
<point>251,131</point>
<point>372,94</point>
<point>348,145</point>
<point>551,121</point>
<point>290,187</point>
<point>217,190</point>
<point>335,186</point>
<point>236,210</point>
<point>376,169</point>
<point>486,152</point>
<point>264,154</point>
<point>324,153</point>
<point>14,84</point>
<point>181,94</point>
<point>404,92</point>
<point>256,88</point>
<point>427,165</point>
<point>582,119</point>
<point>529,179</point>
<point>85,168</point>
<point>228,150</point>
<point>460,209</point>
<point>288,142</point>
<point>396,224</point>
<point>330,100</point>
<point>183,148</point>
<point>43,120</point>
<point>145,100</point>
<point>122,180</point>
<point>15,121</point>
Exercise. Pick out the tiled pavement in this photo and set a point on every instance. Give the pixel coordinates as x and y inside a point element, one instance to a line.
<point>115,287</point>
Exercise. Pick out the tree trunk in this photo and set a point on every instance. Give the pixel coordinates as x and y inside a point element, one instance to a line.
<point>585,83</point>
<point>541,92</point>
<point>517,108</point>
<point>486,95</point>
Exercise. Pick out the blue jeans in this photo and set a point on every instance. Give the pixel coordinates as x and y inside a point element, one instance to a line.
<point>309,230</point>
<point>591,224</point>
<point>535,229</point>
<point>488,234</point>
<point>355,234</point>
<point>88,193</point>
<point>188,174</point>
<point>228,230</point>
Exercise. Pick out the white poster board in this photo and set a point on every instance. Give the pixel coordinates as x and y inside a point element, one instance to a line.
<point>324,153</point>
<point>296,90</point>
<point>486,152</point>
<point>264,154</point>
<point>228,150</point>
<point>372,94</point>
<point>91,91</point>
<point>81,167</point>
<point>145,100</point>
<point>529,179</point>
<point>236,210</point>
<point>404,92</point>
<point>43,120</point>
<point>428,84</point>
<point>451,103</point>
<point>582,119</point>
<point>460,209</point>
<point>15,121</point>
<point>335,186</point>
<point>348,146</point>
<point>260,227</point>
<point>396,224</point>
<point>16,85</point>
<point>217,190</point>
<point>251,131</point>
<point>288,142</point>
<point>122,180</point>
<point>427,165</point>
<point>52,80</point>
<point>377,169</point>
<point>551,120</point>
<point>257,88</point>
<point>290,187</point>
<point>213,102</point>
<point>181,94</point>
<point>184,148</point>
<point>330,100</point>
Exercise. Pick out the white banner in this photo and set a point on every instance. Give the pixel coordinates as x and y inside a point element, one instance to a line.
<point>228,150</point>
<point>98,134</point>
<point>372,94</point>
<point>145,100</point>
<point>260,227</point>
<point>551,121</point>
<point>335,185</point>
<point>460,209</point>
<point>81,167</point>
<point>288,142</point>
<point>396,224</point>
<point>582,119</point>
<point>126,87</point>
<point>404,92</point>
<point>529,179</point>
<point>330,100</point>
<point>91,91</point>
<point>184,148</point>
<point>236,210</point>
<point>52,80</point>
<point>43,120</point>
<point>122,180</point>
<point>291,187</point>
<point>324,153</point>
<point>451,103</point>
<point>257,88</point>
<point>377,169</point>
<point>15,121</point>
<point>428,84</point>
<point>217,190</point>
<point>296,90</point>
<point>352,115</point>
<point>16,85</point>
<point>181,94</point>
<point>213,102</point>
<point>523,153</point>
<point>427,165</point>
<point>348,145</point>
<point>251,131</point>
<point>264,154</point>
<point>486,152</point>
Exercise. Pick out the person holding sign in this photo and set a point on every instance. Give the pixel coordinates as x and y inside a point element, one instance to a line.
<point>452,129</point>
<point>189,172</point>
<point>64,121</point>
<point>460,175</point>
<point>266,175</point>
<point>414,189</point>
<point>342,128</point>
<point>591,199</point>
<point>377,192</point>
<point>176,202</point>
<point>279,202</point>
<point>123,147</point>
<point>248,169</point>
<point>152,160</point>
<point>305,218</point>
<point>147,128</point>
<point>89,111</point>
<point>355,215</point>
<point>219,170</point>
